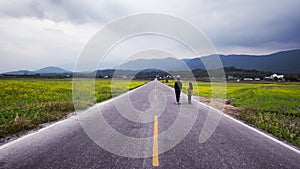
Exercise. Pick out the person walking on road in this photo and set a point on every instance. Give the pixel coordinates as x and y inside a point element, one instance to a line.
<point>178,87</point>
<point>190,91</point>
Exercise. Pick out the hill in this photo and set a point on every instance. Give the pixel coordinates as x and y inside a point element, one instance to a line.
<point>51,69</point>
<point>44,71</point>
<point>286,62</point>
<point>280,62</point>
<point>165,64</point>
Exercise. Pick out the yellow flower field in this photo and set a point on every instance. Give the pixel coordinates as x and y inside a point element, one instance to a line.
<point>26,103</point>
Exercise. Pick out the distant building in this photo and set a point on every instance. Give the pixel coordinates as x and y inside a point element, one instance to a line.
<point>268,78</point>
<point>257,79</point>
<point>230,77</point>
<point>275,77</point>
<point>248,79</point>
<point>123,77</point>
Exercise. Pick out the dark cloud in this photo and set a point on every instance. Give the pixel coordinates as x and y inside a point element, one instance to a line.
<point>78,11</point>
<point>233,26</point>
<point>255,24</point>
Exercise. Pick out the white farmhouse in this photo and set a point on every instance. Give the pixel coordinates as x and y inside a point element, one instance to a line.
<point>275,76</point>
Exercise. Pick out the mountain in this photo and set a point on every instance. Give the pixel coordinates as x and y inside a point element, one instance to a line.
<point>165,64</point>
<point>44,71</point>
<point>52,70</point>
<point>20,72</point>
<point>280,62</point>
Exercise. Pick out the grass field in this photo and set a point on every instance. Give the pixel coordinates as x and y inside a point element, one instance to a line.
<point>272,107</point>
<point>24,103</point>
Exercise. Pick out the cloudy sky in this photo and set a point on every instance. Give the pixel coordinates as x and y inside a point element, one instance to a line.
<point>35,34</point>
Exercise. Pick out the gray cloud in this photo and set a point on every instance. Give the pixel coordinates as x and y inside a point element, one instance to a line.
<point>32,29</point>
<point>251,23</point>
<point>78,11</point>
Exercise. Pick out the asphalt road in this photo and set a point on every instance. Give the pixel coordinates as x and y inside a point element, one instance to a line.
<point>66,144</point>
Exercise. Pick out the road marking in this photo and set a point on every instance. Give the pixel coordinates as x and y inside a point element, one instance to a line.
<point>155,91</point>
<point>155,162</point>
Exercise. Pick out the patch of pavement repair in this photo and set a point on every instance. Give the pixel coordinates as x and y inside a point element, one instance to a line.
<point>15,136</point>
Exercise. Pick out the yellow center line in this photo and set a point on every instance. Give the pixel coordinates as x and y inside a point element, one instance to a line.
<point>155,143</point>
<point>155,91</point>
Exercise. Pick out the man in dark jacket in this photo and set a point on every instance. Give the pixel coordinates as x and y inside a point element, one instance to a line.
<point>178,87</point>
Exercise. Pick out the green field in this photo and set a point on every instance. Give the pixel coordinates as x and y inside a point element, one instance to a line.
<point>274,107</point>
<point>25,103</point>
<point>271,107</point>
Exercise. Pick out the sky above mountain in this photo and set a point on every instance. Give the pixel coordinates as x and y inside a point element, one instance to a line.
<point>36,34</point>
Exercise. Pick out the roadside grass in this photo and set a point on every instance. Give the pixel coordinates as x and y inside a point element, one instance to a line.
<point>273,107</point>
<point>26,103</point>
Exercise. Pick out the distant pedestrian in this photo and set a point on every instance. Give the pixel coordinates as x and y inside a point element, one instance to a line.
<point>178,87</point>
<point>190,91</point>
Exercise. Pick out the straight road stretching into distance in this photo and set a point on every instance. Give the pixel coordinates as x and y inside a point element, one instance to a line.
<point>65,144</point>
